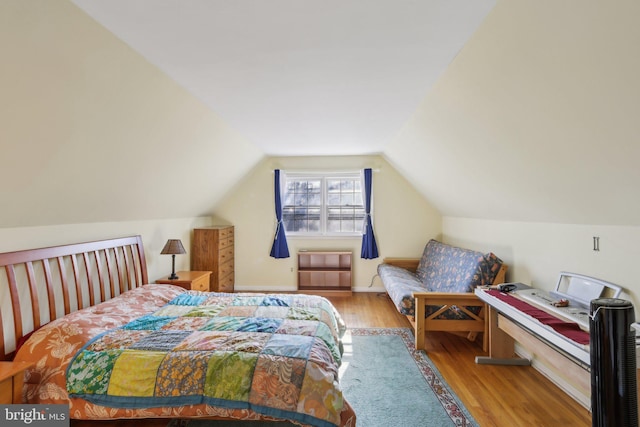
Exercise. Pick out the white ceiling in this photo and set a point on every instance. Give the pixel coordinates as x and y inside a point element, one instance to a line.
<point>300,77</point>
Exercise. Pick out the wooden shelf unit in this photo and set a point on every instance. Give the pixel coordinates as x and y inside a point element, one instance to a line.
<point>325,272</point>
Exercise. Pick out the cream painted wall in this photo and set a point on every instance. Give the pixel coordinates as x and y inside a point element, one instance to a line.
<point>536,119</point>
<point>533,132</point>
<point>403,223</point>
<point>155,234</point>
<point>92,132</point>
<point>537,252</point>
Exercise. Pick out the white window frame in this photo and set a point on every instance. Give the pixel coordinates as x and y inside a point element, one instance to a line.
<point>324,177</point>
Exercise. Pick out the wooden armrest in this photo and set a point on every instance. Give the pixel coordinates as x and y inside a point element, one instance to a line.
<point>438,298</point>
<point>410,264</point>
<point>452,295</point>
<point>501,276</point>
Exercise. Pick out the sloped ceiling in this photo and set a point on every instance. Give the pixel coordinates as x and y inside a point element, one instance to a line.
<point>537,118</point>
<point>534,120</point>
<point>522,111</point>
<point>329,77</point>
<point>93,133</point>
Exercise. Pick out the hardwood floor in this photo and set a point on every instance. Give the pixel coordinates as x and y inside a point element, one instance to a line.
<point>495,395</point>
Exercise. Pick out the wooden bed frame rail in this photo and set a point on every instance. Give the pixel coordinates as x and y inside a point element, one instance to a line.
<point>41,285</point>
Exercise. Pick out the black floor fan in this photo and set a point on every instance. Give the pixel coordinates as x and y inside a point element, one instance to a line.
<point>613,364</point>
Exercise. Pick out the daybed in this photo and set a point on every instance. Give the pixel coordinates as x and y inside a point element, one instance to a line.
<point>102,335</point>
<point>436,291</point>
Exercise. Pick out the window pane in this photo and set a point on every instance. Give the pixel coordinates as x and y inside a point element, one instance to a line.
<point>348,226</point>
<point>346,199</point>
<point>300,223</point>
<point>314,226</point>
<point>350,220</point>
<point>340,209</point>
<point>315,185</point>
<point>315,199</point>
<point>333,213</point>
<point>333,226</point>
<point>344,210</point>
<point>333,185</point>
<point>287,218</point>
<point>289,198</point>
<point>346,185</point>
<point>314,213</point>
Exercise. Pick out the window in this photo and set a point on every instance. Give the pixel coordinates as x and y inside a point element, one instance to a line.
<point>323,205</point>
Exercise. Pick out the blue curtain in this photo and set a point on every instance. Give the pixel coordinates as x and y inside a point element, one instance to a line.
<point>280,249</point>
<point>369,247</point>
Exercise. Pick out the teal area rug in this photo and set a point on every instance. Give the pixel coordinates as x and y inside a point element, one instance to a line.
<point>387,382</point>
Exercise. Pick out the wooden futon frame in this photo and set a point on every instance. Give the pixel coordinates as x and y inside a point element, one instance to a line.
<point>463,300</point>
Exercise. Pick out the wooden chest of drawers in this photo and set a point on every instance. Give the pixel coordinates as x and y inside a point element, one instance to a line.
<point>213,250</point>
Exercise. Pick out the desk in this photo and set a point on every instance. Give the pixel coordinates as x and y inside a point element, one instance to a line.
<point>563,362</point>
<point>572,349</point>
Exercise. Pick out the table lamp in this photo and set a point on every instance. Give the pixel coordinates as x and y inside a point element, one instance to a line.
<point>173,248</point>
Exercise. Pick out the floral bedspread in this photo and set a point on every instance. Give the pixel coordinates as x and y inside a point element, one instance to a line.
<point>161,351</point>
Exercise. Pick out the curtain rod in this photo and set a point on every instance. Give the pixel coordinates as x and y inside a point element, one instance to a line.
<point>327,171</point>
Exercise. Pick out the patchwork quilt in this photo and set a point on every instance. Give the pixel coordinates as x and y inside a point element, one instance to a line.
<point>200,354</point>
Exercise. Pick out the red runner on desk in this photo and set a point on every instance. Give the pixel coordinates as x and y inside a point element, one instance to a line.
<point>570,330</point>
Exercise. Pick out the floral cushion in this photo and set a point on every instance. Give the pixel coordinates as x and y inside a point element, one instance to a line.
<point>446,268</point>
<point>400,285</point>
<point>442,268</point>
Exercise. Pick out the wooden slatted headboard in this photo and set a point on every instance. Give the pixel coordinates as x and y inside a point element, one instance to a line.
<point>41,285</point>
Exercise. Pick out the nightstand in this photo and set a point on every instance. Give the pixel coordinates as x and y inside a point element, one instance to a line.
<point>194,280</point>
<point>11,381</point>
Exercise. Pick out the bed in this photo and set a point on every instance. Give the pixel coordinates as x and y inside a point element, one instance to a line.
<point>113,346</point>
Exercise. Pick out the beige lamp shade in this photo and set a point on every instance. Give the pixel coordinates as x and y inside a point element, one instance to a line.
<point>173,247</point>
